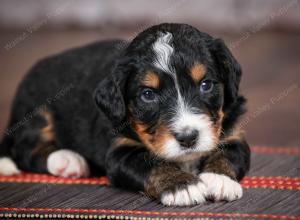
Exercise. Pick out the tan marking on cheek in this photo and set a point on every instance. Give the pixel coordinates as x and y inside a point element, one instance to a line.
<point>161,137</point>
<point>218,125</point>
<point>155,142</point>
<point>140,129</point>
<point>151,80</point>
<point>236,135</point>
<point>197,72</point>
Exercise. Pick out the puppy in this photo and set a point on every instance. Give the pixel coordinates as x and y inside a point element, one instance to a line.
<point>157,114</point>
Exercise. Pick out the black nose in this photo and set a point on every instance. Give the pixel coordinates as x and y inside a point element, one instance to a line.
<point>187,139</point>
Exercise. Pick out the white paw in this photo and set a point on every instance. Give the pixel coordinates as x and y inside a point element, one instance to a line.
<point>8,167</point>
<point>67,163</point>
<point>189,195</point>
<point>221,187</point>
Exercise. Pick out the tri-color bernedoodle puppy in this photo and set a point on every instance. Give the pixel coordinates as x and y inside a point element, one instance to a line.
<point>157,114</point>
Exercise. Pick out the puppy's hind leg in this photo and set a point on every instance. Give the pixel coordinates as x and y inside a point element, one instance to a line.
<point>62,162</point>
<point>35,149</point>
<point>33,142</point>
<point>67,163</point>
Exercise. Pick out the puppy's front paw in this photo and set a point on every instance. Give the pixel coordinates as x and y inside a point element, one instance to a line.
<point>67,163</point>
<point>221,187</point>
<point>192,194</point>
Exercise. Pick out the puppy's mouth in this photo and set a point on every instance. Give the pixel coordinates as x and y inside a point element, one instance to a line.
<point>193,135</point>
<point>183,154</point>
<point>176,150</point>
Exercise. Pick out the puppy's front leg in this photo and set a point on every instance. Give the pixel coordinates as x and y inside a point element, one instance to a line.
<point>224,169</point>
<point>174,186</point>
<point>133,167</point>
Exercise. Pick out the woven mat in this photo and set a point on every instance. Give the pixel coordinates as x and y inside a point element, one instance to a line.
<point>271,191</point>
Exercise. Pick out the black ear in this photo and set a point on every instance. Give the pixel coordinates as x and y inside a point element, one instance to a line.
<point>109,96</point>
<point>229,69</point>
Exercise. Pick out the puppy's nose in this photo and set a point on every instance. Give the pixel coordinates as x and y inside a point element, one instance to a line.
<point>187,139</point>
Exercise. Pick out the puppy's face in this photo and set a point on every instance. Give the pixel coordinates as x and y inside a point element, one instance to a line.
<point>174,90</point>
<point>175,101</point>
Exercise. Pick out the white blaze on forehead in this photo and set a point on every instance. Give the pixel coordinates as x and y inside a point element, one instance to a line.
<point>163,51</point>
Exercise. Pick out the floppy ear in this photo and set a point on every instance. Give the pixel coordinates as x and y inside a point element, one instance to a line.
<point>109,96</point>
<point>229,69</point>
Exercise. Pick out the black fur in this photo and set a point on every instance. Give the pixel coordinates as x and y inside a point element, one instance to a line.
<point>67,86</point>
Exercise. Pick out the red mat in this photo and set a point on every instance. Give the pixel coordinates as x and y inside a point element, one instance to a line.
<point>271,191</point>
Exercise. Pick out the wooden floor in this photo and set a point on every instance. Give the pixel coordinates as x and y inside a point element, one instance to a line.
<point>271,64</point>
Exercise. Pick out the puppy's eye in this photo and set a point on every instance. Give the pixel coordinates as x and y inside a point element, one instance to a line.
<point>148,95</point>
<point>206,86</point>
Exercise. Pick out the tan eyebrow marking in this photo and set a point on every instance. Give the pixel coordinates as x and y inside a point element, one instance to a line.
<point>151,79</point>
<point>197,72</point>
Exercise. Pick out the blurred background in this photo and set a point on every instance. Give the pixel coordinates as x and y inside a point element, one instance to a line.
<point>264,36</point>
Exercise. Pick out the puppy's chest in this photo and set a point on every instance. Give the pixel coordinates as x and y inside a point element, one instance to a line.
<point>190,167</point>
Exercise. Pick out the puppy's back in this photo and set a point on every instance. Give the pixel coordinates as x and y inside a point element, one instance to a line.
<point>49,80</point>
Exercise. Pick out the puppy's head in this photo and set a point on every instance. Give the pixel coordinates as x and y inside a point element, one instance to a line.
<point>173,85</point>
